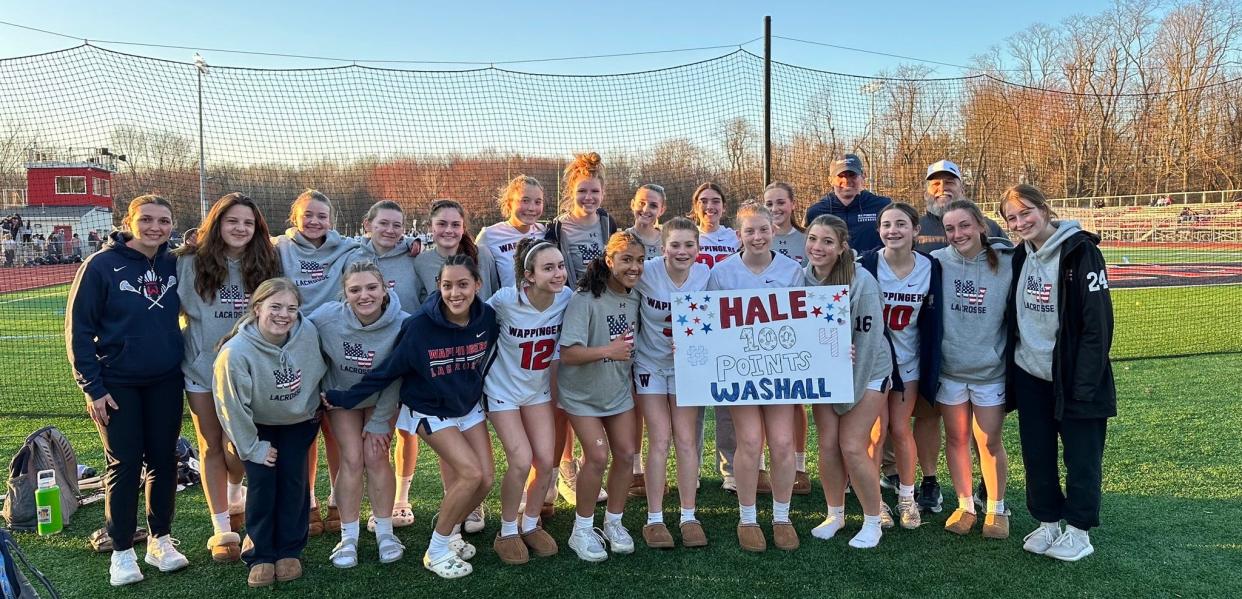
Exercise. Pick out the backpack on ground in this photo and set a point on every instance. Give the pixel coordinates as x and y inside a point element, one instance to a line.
<point>14,583</point>
<point>45,449</point>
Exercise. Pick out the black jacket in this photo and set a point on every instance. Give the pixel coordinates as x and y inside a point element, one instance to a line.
<point>931,329</point>
<point>1082,375</point>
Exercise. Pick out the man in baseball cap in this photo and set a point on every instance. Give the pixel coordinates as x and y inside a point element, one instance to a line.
<point>944,184</point>
<point>859,208</point>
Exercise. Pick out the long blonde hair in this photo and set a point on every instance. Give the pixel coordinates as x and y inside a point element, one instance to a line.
<point>842,272</point>
<point>584,166</point>
<point>265,290</point>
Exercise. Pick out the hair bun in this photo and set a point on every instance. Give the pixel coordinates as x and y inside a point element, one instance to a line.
<point>589,162</point>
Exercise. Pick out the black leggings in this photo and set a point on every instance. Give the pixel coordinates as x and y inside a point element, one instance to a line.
<point>278,498</point>
<point>142,430</point>
<point>1083,444</point>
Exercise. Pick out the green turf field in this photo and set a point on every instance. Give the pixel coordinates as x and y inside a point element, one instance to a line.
<point>1148,255</point>
<point>1171,498</point>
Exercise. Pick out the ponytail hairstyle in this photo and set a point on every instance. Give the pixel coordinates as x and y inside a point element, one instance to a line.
<point>512,192</point>
<point>842,272</point>
<point>902,206</point>
<point>751,208</point>
<point>259,261</point>
<point>595,279</point>
<point>466,245</point>
<point>305,198</point>
<point>528,248</point>
<point>461,260</point>
<point>679,223</point>
<point>973,210</point>
<point>1028,195</point>
<point>696,209</point>
<point>265,290</point>
<point>794,218</point>
<point>366,266</point>
<point>584,166</point>
<point>140,201</point>
<point>373,211</point>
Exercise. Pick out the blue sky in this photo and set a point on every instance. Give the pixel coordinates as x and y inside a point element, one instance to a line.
<point>492,31</point>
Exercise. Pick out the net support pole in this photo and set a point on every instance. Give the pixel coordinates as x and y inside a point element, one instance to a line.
<point>767,100</point>
<point>201,66</point>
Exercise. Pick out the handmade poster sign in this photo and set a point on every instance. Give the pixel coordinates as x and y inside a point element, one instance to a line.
<point>763,346</point>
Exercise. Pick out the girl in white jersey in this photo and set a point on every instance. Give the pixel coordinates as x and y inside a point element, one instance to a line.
<point>648,206</point>
<point>758,266</point>
<point>908,279</point>
<point>676,272</point>
<point>518,392</point>
<point>844,430</point>
<point>716,242</point>
<point>521,203</point>
<point>789,238</point>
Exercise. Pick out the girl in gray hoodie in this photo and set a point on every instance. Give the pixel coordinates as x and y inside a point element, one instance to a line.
<point>355,335</point>
<point>844,430</point>
<point>975,275</point>
<point>267,398</point>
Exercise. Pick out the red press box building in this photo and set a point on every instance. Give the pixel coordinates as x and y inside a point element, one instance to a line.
<point>67,189</point>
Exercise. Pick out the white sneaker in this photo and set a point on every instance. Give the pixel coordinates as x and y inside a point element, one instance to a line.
<point>474,522</point>
<point>886,516</point>
<point>1042,538</point>
<point>567,482</point>
<point>603,494</point>
<point>619,539</point>
<point>868,536</point>
<point>124,569</point>
<point>829,527</point>
<point>729,483</point>
<point>909,513</point>
<point>588,544</point>
<point>162,553</point>
<point>1071,546</point>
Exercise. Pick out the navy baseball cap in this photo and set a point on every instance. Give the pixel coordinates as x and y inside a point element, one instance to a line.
<point>846,162</point>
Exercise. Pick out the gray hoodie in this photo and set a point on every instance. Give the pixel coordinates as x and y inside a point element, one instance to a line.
<point>873,357</point>
<point>972,348</point>
<point>353,349</point>
<point>204,323</point>
<point>1036,300</point>
<point>257,382</point>
<point>427,267</point>
<point>315,270</point>
<point>397,266</point>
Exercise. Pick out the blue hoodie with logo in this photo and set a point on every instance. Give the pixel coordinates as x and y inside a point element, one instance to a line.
<point>440,363</point>
<point>861,216</point>
<point>121,322</point>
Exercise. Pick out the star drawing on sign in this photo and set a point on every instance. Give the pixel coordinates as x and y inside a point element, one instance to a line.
<point>706,298</point>
<point>681,319</point>
<point>694,307</point>
<point>677,301</point>
<point>689,332</point>
<point>707,328</point>
<point>836,297</point>
<point>697,320</point>
<point>711,315</point>
<point>817,311</point>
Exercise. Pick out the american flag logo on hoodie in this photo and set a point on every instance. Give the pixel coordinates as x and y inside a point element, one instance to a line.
<point>288,378</point>
<point>1038,289</point>
<point>966,290</point>
<point>354,351</point>
<point>312,268</point>
<point>233,294</point>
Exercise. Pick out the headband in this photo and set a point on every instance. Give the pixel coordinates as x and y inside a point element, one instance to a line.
<point>532,251</point>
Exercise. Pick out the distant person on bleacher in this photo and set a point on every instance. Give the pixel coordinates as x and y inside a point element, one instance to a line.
<point>944,184</point>
<point>858,207</point>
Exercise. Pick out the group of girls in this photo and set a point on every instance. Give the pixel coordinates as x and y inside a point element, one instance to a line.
<point>556,333</point>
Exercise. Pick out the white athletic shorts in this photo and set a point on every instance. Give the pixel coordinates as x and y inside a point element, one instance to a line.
<point>908,371</point>
<point>876,385</point>
<point>504,405</point>
<point>953,393</point>
<point>413,422</point>
<point>654,383</point>
<point>194,387</point>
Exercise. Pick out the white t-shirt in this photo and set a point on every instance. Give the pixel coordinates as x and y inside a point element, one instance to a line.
<point>716,246</point>
<point>903,298</point>
<point>654,346</point>
<point>791,244</point>
<point>501,240</point>
<point>528,343</point>
<point>732,273</point>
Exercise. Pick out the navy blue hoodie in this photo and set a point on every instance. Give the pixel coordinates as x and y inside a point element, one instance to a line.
<point>862,216</point>
<point>121,321</point>
<point>441,363</point>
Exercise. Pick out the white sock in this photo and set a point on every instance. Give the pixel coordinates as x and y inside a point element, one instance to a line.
<point>905,491</point>
<point>220,523</point>
<point>403,489</point>
<point>457,529</point>
<point>746,513</point>
<point>687,515</point>
<point>655,517</point>
<point>1071,528</point>
<point>331,497</point>
<point>584,522</point>
<point>869,535</point>
<point>314,500</point>
<point>529,523</point>
<point>996,507</point>
<point>763,462</point>
<point>349,530</point>
<point>780,512</point>
<point>508,528</point>
<point>966,504</point>
<point>438,546</point>
<point>383,526</point>
<point>237,493</point>
<point>831,525</point>
<point>800,461</point>
<point>638,464</point>
<point>611,518</point>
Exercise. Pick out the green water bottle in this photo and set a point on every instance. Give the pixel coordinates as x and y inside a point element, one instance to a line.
<point>47,503</point>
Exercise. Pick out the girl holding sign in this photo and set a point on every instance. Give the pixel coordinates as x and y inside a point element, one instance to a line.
<point>518,392</point>
<point>656,392</point>
<point>844,430</point>
<point>597,343</point>
<point>758,266</point>
<point>909,283</point>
